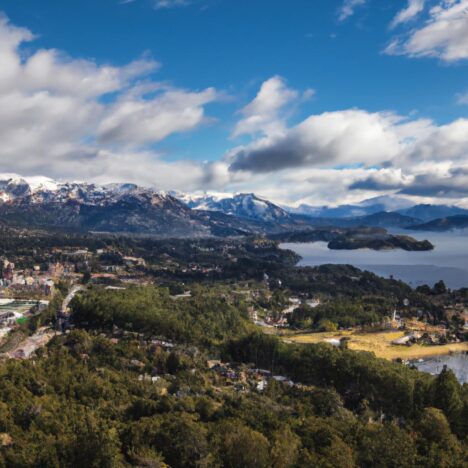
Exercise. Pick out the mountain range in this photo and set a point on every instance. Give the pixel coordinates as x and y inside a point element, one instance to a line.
<point>448,223</point>
<point>128,208</point>
<point>364,208</point>
<point>384,211</point>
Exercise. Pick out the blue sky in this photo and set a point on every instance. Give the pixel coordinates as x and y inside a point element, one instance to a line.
<point>332,56</point>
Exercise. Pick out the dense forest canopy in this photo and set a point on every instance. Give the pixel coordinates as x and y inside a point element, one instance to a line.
<point>174,373</point>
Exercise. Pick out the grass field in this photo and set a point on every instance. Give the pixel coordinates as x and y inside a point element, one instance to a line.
<point>380,344</point>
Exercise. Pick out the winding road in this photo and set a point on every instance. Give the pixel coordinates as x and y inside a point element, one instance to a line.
<point>70,296</point>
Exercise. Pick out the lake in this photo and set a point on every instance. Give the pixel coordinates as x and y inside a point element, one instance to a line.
<point>448,261</point>
<point>457,362</point>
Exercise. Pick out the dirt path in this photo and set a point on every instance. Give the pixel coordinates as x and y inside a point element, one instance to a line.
<point>26,348</point>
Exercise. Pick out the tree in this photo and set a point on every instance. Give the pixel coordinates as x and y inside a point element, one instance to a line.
<point>327,326</point>
<point>446,395</point>
<point>436,443</point>
<point>285,450</point>
<point>242,447</point>
<point>386,446</point>
<point>86,277</point>
<point>182,441</point>
<point>439,288</point>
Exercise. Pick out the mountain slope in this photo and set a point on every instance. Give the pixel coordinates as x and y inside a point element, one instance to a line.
<point>381,219</point>
<point>243,205</point>
<point>443,224</point>
<point>364,208</point>
<point>127,208</point>
<point>430,212</point>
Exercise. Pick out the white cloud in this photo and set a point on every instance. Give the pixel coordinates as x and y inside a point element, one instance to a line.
<point>54,119</point>
<point>326,154</point>
<point>348,7</point>
<point>133,120</point>
<point>329,139</point>
<point>444,35</point>
<point>412,10</point>
<point>263,113</point>
<point>160,4</point>
<point>442,143</point>
<point>440,180</point>
<point>77,119</point>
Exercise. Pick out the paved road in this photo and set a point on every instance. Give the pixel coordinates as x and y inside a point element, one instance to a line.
<point>66,302</point>
<point>26,348</point>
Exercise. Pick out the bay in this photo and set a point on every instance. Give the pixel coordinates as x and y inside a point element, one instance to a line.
<point>448,261</point>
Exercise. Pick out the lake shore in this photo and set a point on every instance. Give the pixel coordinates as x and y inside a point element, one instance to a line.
<point>447,261</point>
<point>379,343</point>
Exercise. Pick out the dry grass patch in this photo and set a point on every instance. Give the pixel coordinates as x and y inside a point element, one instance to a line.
<point>380,344</point>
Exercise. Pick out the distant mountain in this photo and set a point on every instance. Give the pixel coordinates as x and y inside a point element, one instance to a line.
<point>243,205</point>
<point>364,208</point>
<point>443,224</point>
<point>127,208</point>
<point>382,219</point>
<point>431,212</point>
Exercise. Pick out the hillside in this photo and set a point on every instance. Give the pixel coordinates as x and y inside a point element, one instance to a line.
<point>426,212</point>
<point>449,223</point>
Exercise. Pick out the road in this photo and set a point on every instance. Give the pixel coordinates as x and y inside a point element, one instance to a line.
<point>66,302</point>
<point>26,348</point>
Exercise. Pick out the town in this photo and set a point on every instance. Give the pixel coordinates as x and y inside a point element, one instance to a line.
<point>40,274</point>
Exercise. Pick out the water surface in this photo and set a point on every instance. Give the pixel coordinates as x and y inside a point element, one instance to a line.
<point>448,261</point>
<point>457,362</point>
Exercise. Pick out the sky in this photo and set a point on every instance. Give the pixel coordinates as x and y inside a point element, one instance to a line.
<point>300,101</point>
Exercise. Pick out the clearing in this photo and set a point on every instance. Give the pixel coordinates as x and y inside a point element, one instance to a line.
<point>380,344</point>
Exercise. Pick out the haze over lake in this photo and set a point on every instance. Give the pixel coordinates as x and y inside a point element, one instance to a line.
<point>448,261</point>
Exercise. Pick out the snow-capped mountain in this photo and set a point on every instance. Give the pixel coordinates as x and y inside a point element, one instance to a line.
<point>364,208</point>
<point>37,190</point>
<point>243,205</point>
<point>44,203</point>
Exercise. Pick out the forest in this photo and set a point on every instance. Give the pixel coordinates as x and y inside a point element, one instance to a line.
<point>87,399</point>
<point>146,378</point>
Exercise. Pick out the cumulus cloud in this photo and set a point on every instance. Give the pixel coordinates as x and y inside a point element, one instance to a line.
<point>446,142</point>
<point>383,180</point>
<point>366,152</point>
<point>412,10</point>
<point>444,35</point>
<point>263,113</point>
<point>441,180</point>
<point>450,184</point>
<point>75,118</point>
<point>348,8</point>
<point>332,138</point>
<point>444,181</point>
<point>134,120</point>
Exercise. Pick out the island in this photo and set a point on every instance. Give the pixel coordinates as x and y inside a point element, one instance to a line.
<point>356,238</point>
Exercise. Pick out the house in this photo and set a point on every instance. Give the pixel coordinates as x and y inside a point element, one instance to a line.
<point>283,379</point>
<point>261,385</point>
